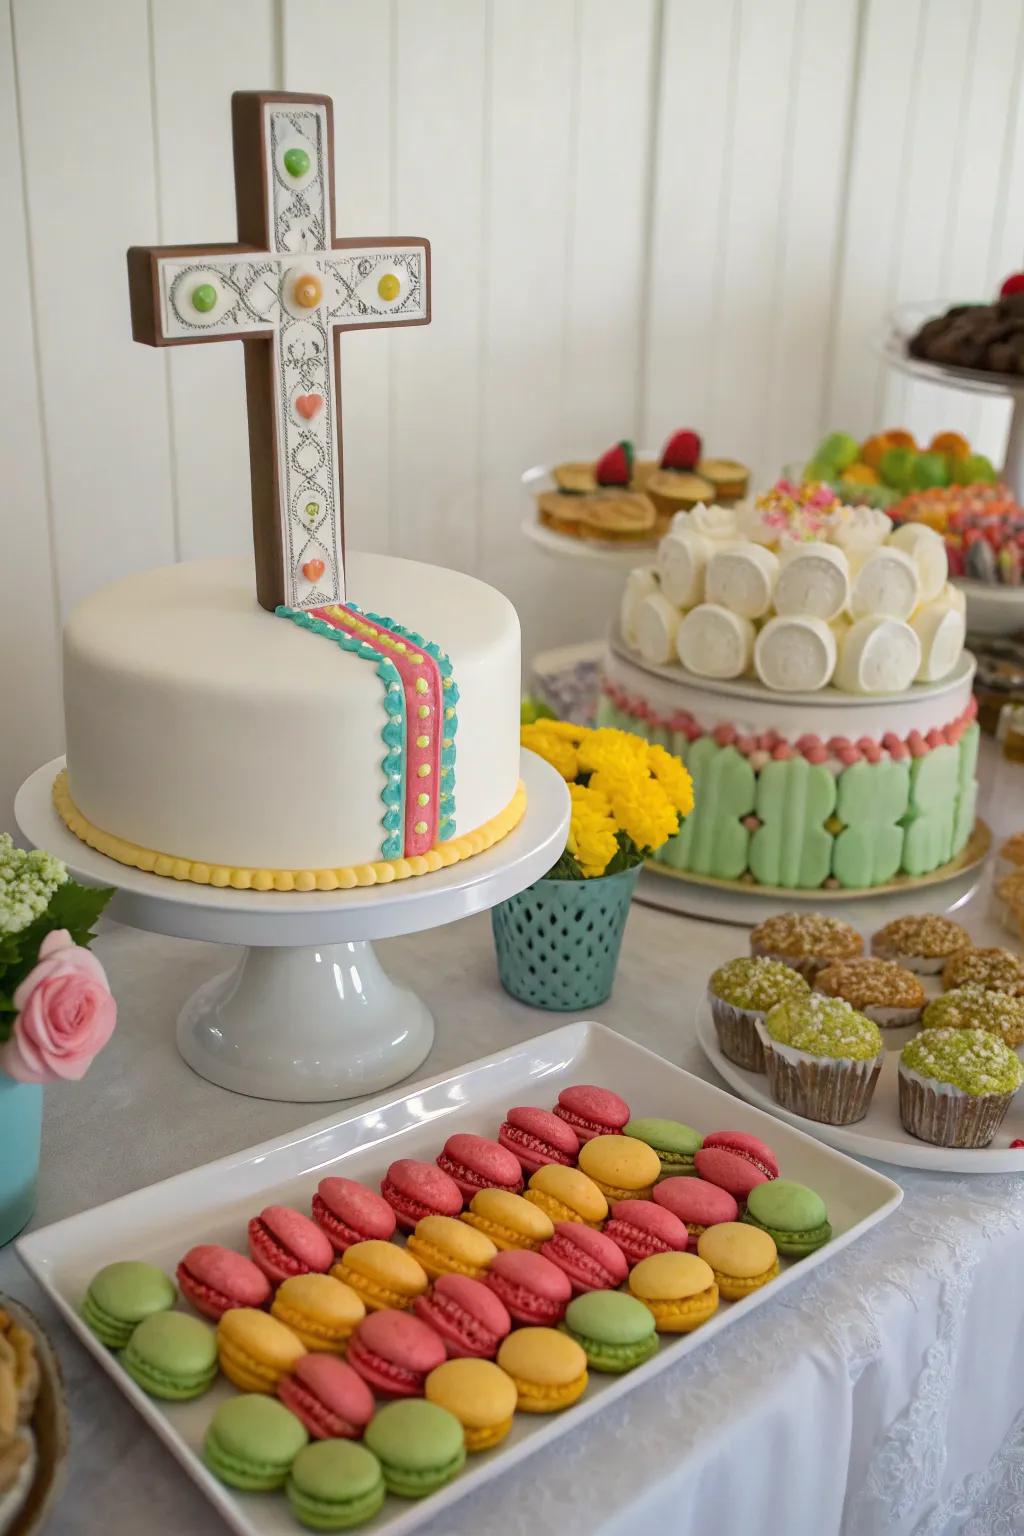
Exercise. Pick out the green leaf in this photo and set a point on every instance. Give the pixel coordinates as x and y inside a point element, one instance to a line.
<point>567,868</point>
<point>72,906</point>
<point>628,855</point>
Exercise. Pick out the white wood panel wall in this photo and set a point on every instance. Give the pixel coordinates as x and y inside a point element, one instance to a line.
<point>672,212</point>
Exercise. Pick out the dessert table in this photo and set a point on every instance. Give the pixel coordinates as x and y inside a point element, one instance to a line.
<point>883,1395</point>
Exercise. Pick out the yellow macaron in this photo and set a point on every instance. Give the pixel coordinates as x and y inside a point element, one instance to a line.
<point>566,1194</point>
<point>679,1289</point>
<point>319,1309</point>
<point>256,1350</point>
<point>509,1220</point>
<point>381,1274</point>
<point>481,1396</point>
<point>742,1257</point>
<point>446,1246</point>
<point>548,1368</point>
<point>621,1167</point>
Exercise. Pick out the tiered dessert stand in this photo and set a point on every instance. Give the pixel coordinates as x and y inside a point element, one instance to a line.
<point>307,1012</point>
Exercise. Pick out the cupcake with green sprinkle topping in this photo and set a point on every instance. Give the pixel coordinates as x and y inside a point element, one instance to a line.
<point>956,1086</point>
<point>823,1058</point>
<point>740,993</point>
<point>974,1007</point>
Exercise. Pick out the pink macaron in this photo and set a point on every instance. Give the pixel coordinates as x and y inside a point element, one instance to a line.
<point>328,1397</point>
<point>736,1161</point>
<point>592,1261</point>
<point>641,1228</point>
<point>466,1315</point>
<point>476,1163</point>
<point>592,1111</point>
<point>536,1137</point>
<point>697,1203</point>
<point>394,1352</point>
<point>414,1190</point>
<point>350,1213</point>
<point>283,1243</point>
<point>532,1288</point>
<point>215,1279</point>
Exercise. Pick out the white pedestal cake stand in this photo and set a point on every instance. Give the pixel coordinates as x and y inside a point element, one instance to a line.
<point>307,1012</point>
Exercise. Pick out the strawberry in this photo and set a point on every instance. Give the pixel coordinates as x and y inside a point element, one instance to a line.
<point>616,466</point>
<point>681,451</point>
<point>1013,284</point>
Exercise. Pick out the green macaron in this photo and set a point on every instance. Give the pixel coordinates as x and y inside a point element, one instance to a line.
<point>121,1295</point>
<point>420,1446</point>
<point>172,1355</point>
<point>790,1213</point>
<point>674,1143</point>
<point>252,1441</point>
<point>615,1331</point>
<point>334,1485</point>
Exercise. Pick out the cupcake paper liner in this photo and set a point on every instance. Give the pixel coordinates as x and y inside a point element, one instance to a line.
<point>737,1033</point>
<point>945,1115</point>
<point>836,1092</point>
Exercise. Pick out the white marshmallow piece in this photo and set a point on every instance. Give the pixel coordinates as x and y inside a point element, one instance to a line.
<point>941,629</point>
<point>715,642</point>
<point>814,579</point>
<point>886,585</point>
<point>795,653</point>
<point>742,578</point>
<point>657,622</point>
<point>877,655</point>
<point>954,597</point>
<point>682,560</point>
<point>640,583</point>
<point>928,551</point>
<point>859,531</point>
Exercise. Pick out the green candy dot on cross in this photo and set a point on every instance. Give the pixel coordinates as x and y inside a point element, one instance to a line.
<point>204,297</point>
<point>296,162</point>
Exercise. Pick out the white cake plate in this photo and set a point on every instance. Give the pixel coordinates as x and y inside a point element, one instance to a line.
<point>307,1012</point>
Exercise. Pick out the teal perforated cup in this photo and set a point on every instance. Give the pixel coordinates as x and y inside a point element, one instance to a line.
<point>558,941</point>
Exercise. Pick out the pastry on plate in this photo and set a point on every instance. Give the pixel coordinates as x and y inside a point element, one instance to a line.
<point>922,944</point>
<point>956,1086</point>
<point>880,989</point>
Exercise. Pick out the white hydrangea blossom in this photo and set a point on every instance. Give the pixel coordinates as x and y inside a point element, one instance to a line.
<point>27,881</point>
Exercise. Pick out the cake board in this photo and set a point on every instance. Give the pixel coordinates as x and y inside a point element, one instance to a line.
<point>307,1013</point>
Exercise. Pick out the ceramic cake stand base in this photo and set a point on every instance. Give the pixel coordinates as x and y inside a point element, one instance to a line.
<point>306,1012</point>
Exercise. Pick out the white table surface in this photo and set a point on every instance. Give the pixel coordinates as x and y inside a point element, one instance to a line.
<point>884,1395</point>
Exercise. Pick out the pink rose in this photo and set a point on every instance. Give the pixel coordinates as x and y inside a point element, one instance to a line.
<point>66,1014</point>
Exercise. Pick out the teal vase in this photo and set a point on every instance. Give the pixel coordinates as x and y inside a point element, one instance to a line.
<point>558,941</point>
<point>21,1124</point>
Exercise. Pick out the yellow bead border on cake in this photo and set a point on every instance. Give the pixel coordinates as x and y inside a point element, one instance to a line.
<point>347,878</point>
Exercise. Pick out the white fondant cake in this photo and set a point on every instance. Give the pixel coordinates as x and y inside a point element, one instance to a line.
<point>203,727</point>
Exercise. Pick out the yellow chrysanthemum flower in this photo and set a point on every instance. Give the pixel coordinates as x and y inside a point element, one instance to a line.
<point>592,829</point>
<point>609,748</point>
<point>554,749</point>
<point>566,728</point>
<point>640,806</point>
<point>673,778</point>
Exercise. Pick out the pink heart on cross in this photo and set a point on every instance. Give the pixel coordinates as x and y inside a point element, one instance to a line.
<point>308,405</point>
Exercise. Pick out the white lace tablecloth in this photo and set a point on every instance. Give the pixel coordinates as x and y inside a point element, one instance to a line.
<point>885,1395</point>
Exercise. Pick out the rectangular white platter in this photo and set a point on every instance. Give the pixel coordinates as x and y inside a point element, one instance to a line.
<point>213,1204</point>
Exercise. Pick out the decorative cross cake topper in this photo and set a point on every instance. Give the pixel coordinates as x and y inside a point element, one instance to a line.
<point>286,291</point>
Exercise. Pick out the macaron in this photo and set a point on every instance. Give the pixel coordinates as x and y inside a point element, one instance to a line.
<point>446,1246</point>
<point>172,1355</point>
<point>394,1351</point>
<point>466,1314</point>
<point>480,1395</point>
<point>532,1288</point>
<point>621,1167</point>
<point>335,1485</point>
<point>476,1163</point>
<point>742,1257</point>
<point>566,1194</point>
<point>214,1279</point>
<point>548,1368</point>
<point>283,1243</point>
<point>256,1350</point>
<point>414,1190</point>
<point>678,1288</point>
<point>592,1261</point>
<point>381,1274</point>
<point>328,1397</point>
<point>536,1137</point>
<point>697,1203</point>
<point>420,1446</point>
<point>674,1142</point>
<point>121,1295</point>
<point>592,1111</point>
<point>350,1213</point>
<point>251,1443</point>
<point>616,1332</point>
<point>793,1216</point>
<point>641,1228</point>
<point>319,1309</point>
<point>510,1221</point>
<point>736,1161</point>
